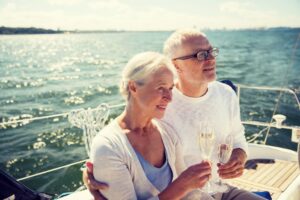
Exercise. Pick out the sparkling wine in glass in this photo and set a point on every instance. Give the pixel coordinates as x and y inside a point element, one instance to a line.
<point>224,153</point>
<point>206,141</point>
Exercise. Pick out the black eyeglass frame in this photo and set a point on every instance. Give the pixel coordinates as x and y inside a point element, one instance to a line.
<point>213,51</point>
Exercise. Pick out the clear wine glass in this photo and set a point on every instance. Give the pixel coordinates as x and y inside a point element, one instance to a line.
<point>224,153</point>
<point>206,141</point>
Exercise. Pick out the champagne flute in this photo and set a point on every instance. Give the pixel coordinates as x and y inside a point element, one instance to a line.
<point>206,142</point>
<point>224,153</point>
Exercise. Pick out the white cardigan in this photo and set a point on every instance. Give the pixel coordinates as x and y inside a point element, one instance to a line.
<point>116,163</point>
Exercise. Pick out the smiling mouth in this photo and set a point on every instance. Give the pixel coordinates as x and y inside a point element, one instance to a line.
<point>161,107</point>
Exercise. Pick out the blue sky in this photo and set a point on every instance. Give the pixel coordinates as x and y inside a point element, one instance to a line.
<point>149,14</point>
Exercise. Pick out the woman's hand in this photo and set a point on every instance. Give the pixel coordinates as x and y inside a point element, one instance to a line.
<point>195,176</point>
<point>192,178</point>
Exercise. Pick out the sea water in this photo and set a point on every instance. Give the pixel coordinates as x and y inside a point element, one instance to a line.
<point>43,75</point>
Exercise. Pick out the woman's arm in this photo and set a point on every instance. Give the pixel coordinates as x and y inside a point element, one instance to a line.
<point>111,169</point>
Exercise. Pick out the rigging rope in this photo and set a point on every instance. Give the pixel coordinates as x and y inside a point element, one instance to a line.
<point>52,170</point>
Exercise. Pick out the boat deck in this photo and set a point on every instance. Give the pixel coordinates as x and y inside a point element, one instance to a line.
<point>273,176</point>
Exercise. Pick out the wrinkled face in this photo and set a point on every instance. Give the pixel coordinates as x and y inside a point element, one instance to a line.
<point>155,94</point>
<point>193,70</point>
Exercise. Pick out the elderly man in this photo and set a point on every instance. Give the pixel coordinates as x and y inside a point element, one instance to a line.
<point>197,97</point>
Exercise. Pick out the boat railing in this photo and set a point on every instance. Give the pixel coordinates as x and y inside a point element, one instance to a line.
<point>13,123</point>
<point>276,119</point>
<point>267,88</point>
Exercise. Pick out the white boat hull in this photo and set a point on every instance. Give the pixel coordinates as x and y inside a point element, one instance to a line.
<point>270,152</point>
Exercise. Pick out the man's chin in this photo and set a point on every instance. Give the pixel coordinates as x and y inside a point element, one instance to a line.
<point>212,78</point>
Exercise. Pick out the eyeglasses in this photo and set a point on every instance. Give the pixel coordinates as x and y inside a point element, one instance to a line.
<point>201,55</point>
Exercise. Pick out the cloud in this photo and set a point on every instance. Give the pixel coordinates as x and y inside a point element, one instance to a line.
<point>233,7</point>
<point>123,14</point>
<point>65,2</point>
<point>9,7</point>
<point>97,14</point>
<point>245,10</point>
<point>108,5</point>
<point>247,14</point>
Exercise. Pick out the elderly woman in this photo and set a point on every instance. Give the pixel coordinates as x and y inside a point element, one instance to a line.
<point>138,155</point>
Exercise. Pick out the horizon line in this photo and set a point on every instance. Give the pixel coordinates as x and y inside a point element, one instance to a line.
<point>153,30</point>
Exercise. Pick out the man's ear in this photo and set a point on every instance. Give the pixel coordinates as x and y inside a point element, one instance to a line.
<point>178,69</point>
<point>132,87</point>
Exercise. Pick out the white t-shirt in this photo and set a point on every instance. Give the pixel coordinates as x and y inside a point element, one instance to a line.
<point>219,106</point>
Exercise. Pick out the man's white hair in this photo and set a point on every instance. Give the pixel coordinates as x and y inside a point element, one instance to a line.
<point>140,67</point>
<point>177,39</point>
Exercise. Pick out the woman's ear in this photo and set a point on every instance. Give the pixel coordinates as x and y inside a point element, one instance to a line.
<point>132,87</point>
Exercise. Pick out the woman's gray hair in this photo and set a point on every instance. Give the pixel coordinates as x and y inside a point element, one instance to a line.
<point>140,67</point>
<point>177,39</point>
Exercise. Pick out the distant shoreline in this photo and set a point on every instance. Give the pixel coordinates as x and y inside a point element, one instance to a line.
<point>33,30</point>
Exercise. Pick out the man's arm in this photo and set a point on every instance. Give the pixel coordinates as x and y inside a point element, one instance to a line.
<point>235,166</point>
<point>92,185</point>
<point>237,128</point>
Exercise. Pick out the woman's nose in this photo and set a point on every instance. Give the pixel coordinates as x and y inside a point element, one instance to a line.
<point>168,95</point>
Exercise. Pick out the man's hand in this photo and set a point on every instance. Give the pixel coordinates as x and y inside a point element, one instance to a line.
<point>92,185</point>
<point>235,166</point>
